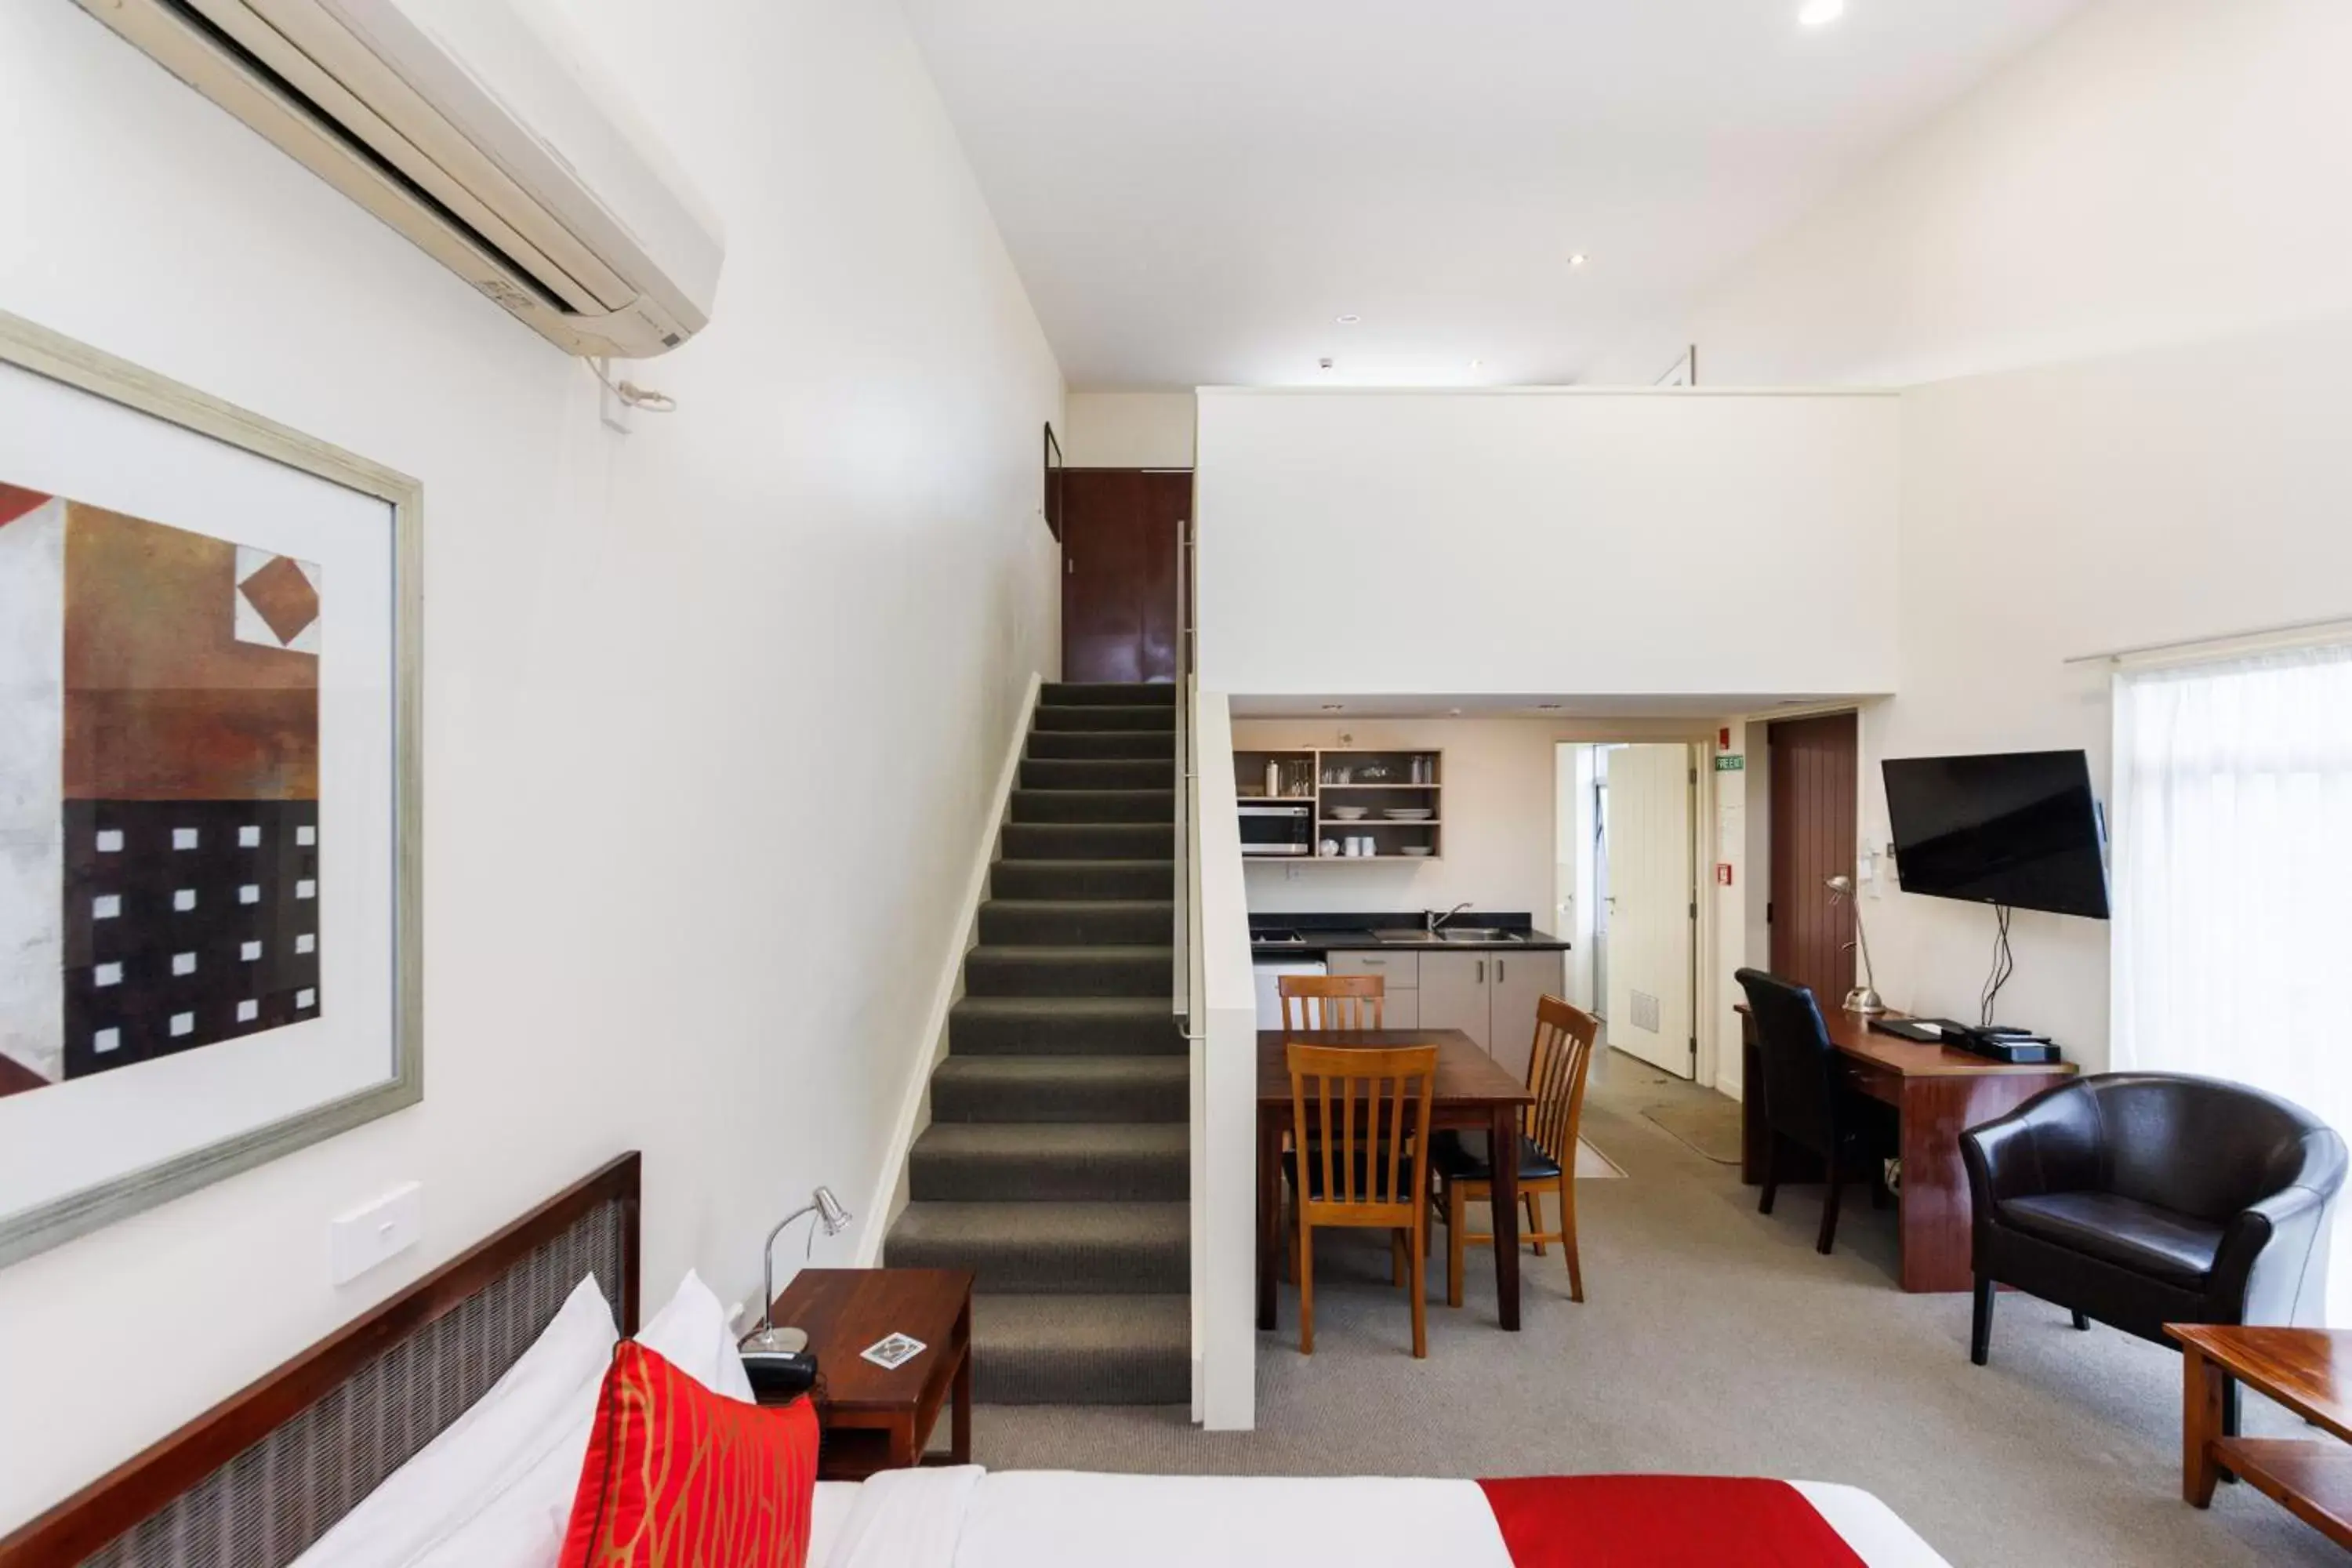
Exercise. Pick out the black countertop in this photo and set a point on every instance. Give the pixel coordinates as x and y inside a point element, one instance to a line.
<point>1315,935</point>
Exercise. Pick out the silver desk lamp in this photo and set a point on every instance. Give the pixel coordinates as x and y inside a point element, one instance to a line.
<point>1863,998</point>
<point>771,1340</point>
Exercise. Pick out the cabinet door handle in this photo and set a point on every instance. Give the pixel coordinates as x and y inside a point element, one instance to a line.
<point>1481,972</point>
<point>1498,972</point>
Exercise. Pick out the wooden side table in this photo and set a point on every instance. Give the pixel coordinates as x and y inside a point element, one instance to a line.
<point>2309,1370</point>
<point>877,1418</point>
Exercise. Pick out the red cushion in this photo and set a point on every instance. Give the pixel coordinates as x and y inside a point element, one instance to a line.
<point>681,1477</point>
<point>1662,1522</point>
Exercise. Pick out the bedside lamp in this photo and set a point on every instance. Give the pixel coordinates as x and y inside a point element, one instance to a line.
<point>771,1340</point>
<point>1863,998</point>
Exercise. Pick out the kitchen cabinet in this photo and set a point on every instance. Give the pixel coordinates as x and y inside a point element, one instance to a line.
<point>1454,993</point>
<point>1400,975</point>
<point>1517,981</point>
<point>1489,995</point>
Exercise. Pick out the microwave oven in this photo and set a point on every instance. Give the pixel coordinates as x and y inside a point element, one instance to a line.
<point>1278,829</point>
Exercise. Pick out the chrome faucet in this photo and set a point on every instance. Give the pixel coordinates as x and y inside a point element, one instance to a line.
<point>1434,920</point>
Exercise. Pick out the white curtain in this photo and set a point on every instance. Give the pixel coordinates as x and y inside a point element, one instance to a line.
<point>2233,879</point>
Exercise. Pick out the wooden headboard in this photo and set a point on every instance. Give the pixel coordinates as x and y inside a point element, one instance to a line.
<point>254,1481</point>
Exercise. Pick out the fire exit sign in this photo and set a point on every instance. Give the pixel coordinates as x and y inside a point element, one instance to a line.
<point>1731,762</point>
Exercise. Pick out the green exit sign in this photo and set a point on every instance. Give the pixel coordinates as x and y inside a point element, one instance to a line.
<point>1731,762</point>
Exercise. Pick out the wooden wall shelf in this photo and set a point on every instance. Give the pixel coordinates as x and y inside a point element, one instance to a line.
<point>1319,770</point>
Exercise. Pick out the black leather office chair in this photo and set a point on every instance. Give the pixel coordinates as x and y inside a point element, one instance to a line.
<point>1807,1101</point>
<point>2142,1199</point>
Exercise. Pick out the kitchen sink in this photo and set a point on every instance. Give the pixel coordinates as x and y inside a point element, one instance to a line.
<point>1478,934</point>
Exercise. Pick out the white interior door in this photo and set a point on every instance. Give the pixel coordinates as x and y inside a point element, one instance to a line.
<point>1650,896</point>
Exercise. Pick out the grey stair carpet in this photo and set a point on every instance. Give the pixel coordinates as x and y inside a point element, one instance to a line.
<point>1057,1164</point>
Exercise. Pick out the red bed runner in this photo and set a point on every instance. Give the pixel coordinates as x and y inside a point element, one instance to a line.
<point>1662,1522</point>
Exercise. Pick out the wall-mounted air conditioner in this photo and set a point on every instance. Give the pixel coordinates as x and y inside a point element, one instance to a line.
<point>472,127</point>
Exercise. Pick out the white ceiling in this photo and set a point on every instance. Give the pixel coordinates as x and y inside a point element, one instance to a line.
<point>1193,190</point>
<point>1523,705</point>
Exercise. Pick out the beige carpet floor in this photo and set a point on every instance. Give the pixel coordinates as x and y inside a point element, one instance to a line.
<point>1716,1340</point>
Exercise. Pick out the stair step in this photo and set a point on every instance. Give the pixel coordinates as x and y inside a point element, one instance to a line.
<point>1026,880</point>
<point>1108,693</point>
<point>1050,1248</point>
<point>1123,745</point>
<point>1091,840</point>
<point>1082,1350</point>
<point>1096,772</point>
<point>1063,1027</point>
<point>1051,1161</point>
<point>1104,716</point>
<point>976,1089</point>
<point>1094,805</point>
<point>1035,922</point>
<point>1070,971</point>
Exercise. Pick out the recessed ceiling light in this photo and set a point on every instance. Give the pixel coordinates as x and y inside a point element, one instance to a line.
<point>1578,260</point>
<point>1547,707</point>
<point>1323,363</point>
<point>1477,363</point>
<point>1821,13</point>
<point>1333,707</point>
<point>1349,319</point>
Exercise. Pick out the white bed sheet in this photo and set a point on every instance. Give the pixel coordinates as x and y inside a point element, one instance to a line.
<point>966,1517</point>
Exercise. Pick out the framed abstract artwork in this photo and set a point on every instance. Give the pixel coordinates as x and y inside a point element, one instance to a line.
<point>209,884</point>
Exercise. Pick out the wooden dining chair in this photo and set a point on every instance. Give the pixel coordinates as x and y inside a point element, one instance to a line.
<point>1358,1160</point>
<point>1331,1000</point>
<point>1547,1152</point>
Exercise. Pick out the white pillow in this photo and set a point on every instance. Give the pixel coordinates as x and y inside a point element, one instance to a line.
<point>506,1435</point>
<point>691,1334</point>
<point>523,1526</point>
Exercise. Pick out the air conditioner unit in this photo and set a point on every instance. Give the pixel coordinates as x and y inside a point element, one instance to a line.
<point>473,128</point>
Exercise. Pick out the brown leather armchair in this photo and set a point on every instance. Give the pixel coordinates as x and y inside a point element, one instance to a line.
<point>2142,1199</point>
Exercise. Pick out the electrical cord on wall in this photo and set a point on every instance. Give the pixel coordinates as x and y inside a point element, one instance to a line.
<point>632,395</point>
<point>2003,965</point>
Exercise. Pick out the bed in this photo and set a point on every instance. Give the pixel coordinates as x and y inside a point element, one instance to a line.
<point>257,1481</point>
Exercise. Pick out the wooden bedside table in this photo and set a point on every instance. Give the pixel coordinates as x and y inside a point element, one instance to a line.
<point>875,1418</point>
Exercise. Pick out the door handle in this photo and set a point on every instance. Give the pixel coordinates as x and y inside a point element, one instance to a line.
<point>1481,972</point>
<point>1498,972</point>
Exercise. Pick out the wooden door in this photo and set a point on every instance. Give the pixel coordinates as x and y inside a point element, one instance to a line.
<point>1652,905</point>
<point>1119,532</point>
<point>1453,994</point>
<point>1815,767</point>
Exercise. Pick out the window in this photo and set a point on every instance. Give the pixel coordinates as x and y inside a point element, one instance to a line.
<point>2232,866</point>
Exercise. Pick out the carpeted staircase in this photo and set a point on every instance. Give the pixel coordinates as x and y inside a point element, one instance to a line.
<point>1056,1167</point>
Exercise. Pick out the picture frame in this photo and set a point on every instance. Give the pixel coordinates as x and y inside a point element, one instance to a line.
<point>379,1023</point>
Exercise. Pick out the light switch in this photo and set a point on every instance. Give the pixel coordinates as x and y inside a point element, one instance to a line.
<point>375,1231</point>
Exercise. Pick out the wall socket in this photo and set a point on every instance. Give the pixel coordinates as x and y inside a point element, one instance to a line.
<point>376,1232</point>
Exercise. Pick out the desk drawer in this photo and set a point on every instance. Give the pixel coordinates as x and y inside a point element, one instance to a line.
<point>1878,1083</point>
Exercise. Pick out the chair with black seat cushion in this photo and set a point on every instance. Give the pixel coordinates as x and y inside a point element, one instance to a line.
<point>2142,1199</point>
<point>1808,1099</point>
<point>1557,1067</point>
<point>1362,1116</point>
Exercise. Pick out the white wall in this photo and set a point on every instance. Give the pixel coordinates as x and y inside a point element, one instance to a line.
<point>2123,255</point>
<point>712,711</point>
<point>2176,493</point>
<point>1500,798</point>
<point>1127,430</point>
<point>2158,171</point>
<point>1544,541</point>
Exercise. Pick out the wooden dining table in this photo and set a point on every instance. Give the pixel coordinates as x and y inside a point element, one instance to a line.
<point>1471,1094</point>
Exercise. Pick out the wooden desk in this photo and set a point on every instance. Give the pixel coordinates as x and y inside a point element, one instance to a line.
<point>1471,1093</point>
<point>879,1418</point>
<point>1939,1091</point>
<point>2309,1370</point>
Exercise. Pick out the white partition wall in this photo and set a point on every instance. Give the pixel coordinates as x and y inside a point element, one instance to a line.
<point>1223,1027</point>
<point>1642,543</point>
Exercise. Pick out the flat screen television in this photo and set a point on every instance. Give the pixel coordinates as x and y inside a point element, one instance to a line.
<point>2017,828</point>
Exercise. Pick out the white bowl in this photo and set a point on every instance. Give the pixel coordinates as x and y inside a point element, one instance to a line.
<point>1408,812</point>
<point>1416,849</point>
<point>1350,813</point>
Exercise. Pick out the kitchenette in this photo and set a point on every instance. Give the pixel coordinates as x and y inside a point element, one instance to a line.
<point>1480,972</point>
